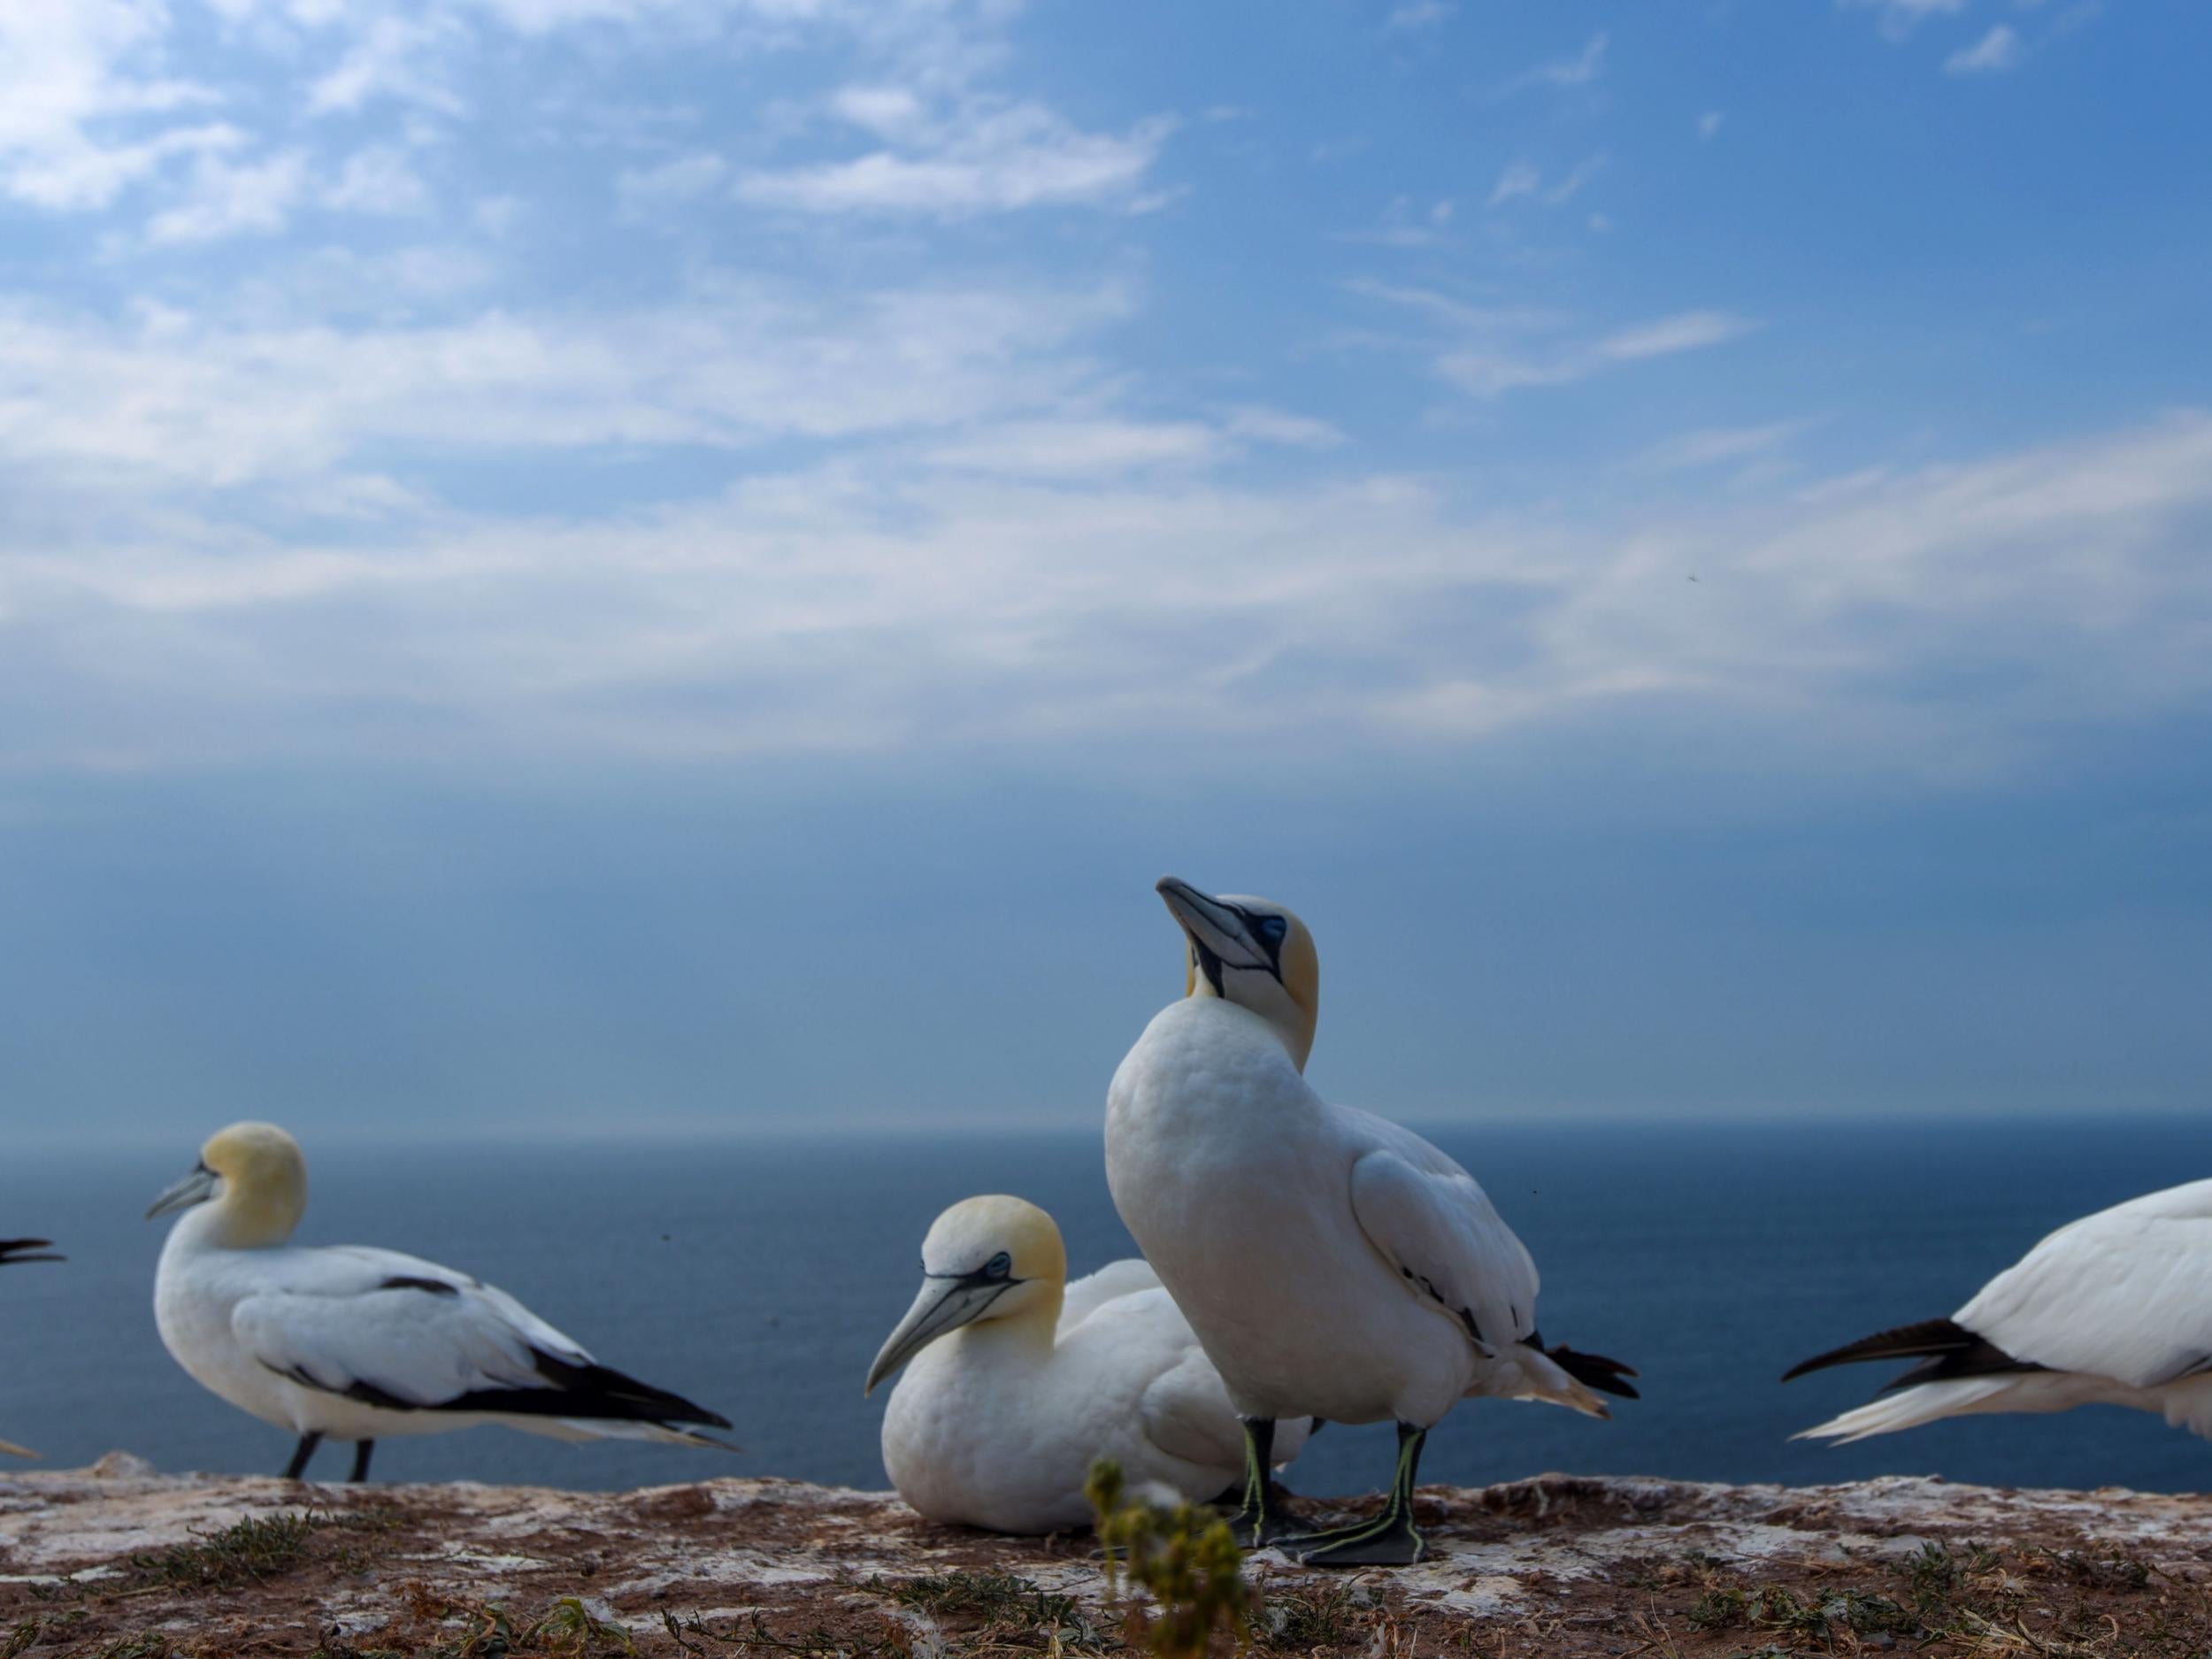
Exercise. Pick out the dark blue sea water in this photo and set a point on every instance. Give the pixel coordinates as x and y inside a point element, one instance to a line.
<point>759,1276</point>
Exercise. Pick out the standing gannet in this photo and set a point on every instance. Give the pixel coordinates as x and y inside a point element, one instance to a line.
<point>1333,1264</point>
<point>361,1343</point>
<point>24,1250</point>
<point>2115,1308</point>
<point>1016,1382</point>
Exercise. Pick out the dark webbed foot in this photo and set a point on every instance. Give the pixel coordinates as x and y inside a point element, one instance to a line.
<point>1389,1540</point>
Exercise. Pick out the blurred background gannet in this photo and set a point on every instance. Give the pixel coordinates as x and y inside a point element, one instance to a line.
<point>1016,1382</point>
<point>2114,1310</point>
<point>360,1343</point>
<point>1332,1264</point>
<point>24,1250</point>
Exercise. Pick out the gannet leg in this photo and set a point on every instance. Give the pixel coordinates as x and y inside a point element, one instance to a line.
<point>1389,1539</point>
<point>297,1468</point>
<point>1257,1523</point>
<point>361,1450</point>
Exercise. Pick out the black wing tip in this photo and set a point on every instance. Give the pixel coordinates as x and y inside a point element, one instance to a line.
<point>1904,1341</point>
<point>13,1250</point>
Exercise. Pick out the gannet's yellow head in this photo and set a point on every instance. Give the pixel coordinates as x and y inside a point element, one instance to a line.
<point>256,1179</point>
<point>987,1258</point>
<point>1253,953</point>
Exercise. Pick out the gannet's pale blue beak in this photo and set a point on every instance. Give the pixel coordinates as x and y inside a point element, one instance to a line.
<point>944,1305</point>
<point>1221,931</point>
<point>195,1189</point>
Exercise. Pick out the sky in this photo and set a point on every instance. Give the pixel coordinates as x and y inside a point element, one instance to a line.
<point>640,566</point>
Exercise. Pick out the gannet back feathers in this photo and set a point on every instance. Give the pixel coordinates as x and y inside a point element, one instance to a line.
<point>2115,1308</point>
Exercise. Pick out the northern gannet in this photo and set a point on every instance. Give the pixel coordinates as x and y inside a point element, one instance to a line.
<point>24,1250</point>
<point>2115,1308</point>
<point>1016,1382</point>
<point>1333,1264</point>
<point>360,1343</point>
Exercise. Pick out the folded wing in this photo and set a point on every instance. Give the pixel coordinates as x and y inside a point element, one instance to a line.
<point>407,1335</point>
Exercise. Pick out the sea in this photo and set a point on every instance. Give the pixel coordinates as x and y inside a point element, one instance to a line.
<point>758,1275</point>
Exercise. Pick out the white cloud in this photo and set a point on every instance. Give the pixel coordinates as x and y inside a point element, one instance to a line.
<point>1419,14</point>
<point>392,56</point>
<point>1709,124</point>
<point>1519,179</point>
<point>377,178</point>
<point>79,84</point>
<point>988,156</point>
<point>1078,604</point>
<point>1579,71</point>
<point>184,399</point>
<point>1487,352</point>
<point>645,190</point>
<point>248,199</point>
<point>1714,446</point>
<point>1901,17</point>
<point>1489,371</point>
<point>1995,52</point>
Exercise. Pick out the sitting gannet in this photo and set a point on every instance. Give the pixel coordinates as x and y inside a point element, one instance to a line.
<point>2115,1308</point>
<point>23,1250</point>
<point>1333,1264</point>
<point>1018,1380</point>
<point>362,1343</point>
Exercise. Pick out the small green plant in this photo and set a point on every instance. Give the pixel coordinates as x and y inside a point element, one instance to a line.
<point>569,1627</point>
<point>255,1549</point>
<point>1183,1557</point>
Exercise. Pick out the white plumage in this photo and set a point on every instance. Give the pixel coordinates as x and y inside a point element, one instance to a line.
<point>2115,1308</point>
<point>1014,1385</point>
<point>1333,1264</point>
<point>361,1343</point>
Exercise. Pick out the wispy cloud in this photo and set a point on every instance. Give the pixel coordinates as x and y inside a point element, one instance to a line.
<point>1419,14</point>
<point>1056,604</point>
<point>1489,350</point>
<point>1579,71</point>
<point>1900,18</point>
<point>1709,124</point>
<point>988,156</point>
<point>233,199</point>
<point>1995,52</point>
<point>1716,446</point>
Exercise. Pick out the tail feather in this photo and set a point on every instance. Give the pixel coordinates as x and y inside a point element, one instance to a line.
<point>1887,1413</point>
<point>1947,1351</point>
<point>1594,1371</point>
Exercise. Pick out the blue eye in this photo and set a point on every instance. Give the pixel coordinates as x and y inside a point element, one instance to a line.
<point>1000,1265</point>
<point>1273,927</point>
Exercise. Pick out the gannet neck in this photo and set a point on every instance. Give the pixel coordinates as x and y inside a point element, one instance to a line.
<point>261,1191</point>
<point>1252,952</point>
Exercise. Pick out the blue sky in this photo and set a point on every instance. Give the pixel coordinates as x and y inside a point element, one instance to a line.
<point>572,563</point>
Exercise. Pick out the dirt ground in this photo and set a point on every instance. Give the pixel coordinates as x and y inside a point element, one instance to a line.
<point>119,1563</point>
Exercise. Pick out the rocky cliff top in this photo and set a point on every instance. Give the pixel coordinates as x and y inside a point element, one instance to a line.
<point>116,1561</point>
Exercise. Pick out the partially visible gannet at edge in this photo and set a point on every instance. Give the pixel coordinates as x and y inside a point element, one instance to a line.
<point>2114,1309</point>
<point>1333,1264</point>
<point>361,1343</point>
<point>1016,1382</point>
<point>24,1250</point>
